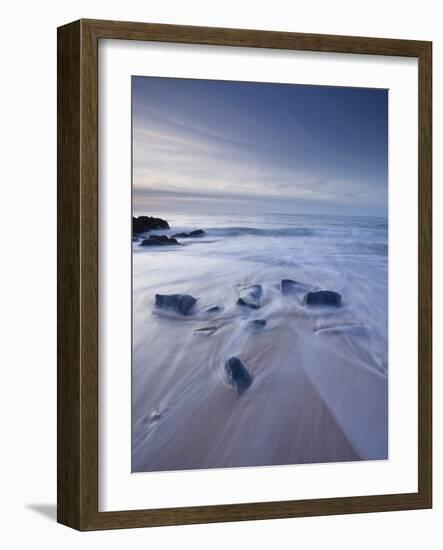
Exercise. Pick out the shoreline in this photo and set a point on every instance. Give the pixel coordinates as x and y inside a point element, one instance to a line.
<point>315,396</point>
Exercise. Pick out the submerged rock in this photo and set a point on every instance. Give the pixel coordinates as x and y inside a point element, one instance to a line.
<point>180,303</point>
<point>323,298</point>
<point>206,330</point>
<point>289,286</point>
<point>184,235</point>
<point>352,328</point>
<point>197,233</point>
<point>159,240</point>
<point>142,224</point>
<point>250,296</point>
<point>258,323</point>
<point>238,375</point>
<point>157,414</point>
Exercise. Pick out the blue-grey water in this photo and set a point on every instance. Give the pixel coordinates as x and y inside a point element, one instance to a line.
<point>314,370</point>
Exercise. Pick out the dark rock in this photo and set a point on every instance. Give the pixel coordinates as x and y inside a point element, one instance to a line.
<point>213,309</point>
<point>250,296</point>
<point>289,286</point>
<point>238,374</point>
<point>258,323</point>
<point>323,298</point>
<point>159,240</point>
<point>183,235</point>
<point>163,239</point>
<point>142,224</point>
<point>180,303</point>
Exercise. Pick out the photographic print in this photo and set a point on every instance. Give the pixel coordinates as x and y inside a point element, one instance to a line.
<point>259,274</point>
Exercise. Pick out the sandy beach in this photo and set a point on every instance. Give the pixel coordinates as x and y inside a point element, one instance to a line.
<point>318,391</point>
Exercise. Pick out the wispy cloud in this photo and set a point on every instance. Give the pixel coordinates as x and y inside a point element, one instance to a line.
<point>196,141</point>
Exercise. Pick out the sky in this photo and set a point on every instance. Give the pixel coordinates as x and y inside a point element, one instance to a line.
<point>240,147</point>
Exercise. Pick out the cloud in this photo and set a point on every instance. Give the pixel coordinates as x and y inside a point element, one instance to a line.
<point>200,147</point>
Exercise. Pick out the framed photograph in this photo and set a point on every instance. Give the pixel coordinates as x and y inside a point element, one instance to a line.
<point>244,275</point>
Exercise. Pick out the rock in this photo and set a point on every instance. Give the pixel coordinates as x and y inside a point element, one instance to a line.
<point>238,375</point>
<point>289,286</point>
<point>250,296</point>
<point>351,328</point>
<point>180,303</point>
<point>206,330</point>
<point>159,240</point>
<point>183,235</point>
<point>258,323</point>
<point>213,309</point>
<point>157,414</point>
<point>323,298</point>
<point>142,224</point>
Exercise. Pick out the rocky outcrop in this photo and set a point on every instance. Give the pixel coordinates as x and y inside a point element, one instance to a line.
<point>159,240</point>
<point>250,296</point>
<point>238,375</point>
<point>323,298</point>
<point>179,303</point>
<point>142,224</point>
<point>258,324</point>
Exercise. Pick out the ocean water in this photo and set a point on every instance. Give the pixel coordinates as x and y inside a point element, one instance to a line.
<point>319,391</point>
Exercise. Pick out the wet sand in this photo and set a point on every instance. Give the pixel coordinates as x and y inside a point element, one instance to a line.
<point>287,416</point>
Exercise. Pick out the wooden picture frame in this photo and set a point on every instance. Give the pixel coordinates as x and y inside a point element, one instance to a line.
<point>78,274</point>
